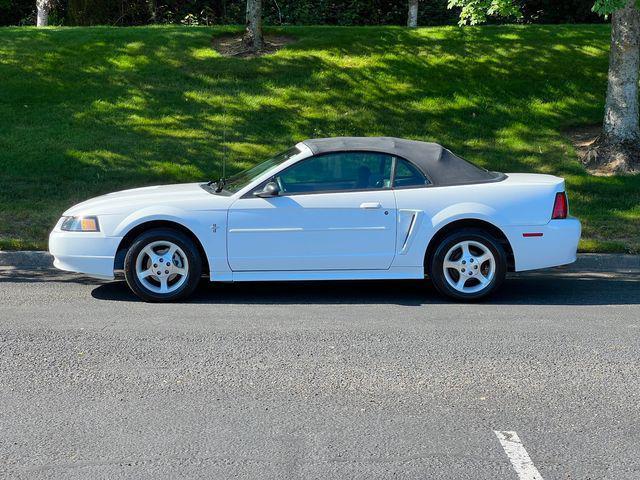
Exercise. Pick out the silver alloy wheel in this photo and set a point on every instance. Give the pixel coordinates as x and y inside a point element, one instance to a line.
<point>162,267</point>
<point>469,266</point>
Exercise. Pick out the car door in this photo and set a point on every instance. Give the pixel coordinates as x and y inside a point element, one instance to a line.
<point>334,211</point>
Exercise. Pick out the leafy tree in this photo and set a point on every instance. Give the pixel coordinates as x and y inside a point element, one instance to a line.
<point>473,12</point>
<point>618,147</point>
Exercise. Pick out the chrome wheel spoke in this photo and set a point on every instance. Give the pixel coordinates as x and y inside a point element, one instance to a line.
<point>147,273</point>
<point>465,249</point>
<point>460,283</point>
<point>164,285</point>
<point>483,258</point>
<point>180,271</point>
<point>149,251</point>
<point>450,264</point>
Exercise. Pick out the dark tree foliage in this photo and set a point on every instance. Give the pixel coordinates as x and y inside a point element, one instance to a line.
<point>554,11</point>
<point>13,12</point>
<point>330,12</point>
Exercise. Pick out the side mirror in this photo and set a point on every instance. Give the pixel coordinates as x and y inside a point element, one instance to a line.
<point>271,189</point>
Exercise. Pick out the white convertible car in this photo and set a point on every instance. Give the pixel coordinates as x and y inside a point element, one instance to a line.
<point>327,209</point>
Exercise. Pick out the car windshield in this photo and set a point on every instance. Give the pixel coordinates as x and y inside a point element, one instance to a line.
<point>242,179</point>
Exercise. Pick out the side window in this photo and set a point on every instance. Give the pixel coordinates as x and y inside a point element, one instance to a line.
<point>407,175</point>
<point>342,171</point>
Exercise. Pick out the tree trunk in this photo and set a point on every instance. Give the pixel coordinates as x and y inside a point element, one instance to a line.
<point>617,150</point>
<point>412,20</point>
<point>42,18</point>
<point>253,40</point>
<point>153,10</point>
<point>621,109</point>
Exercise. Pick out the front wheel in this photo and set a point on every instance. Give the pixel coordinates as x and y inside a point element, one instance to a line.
<point>468,265</point>
<point>162,265</point>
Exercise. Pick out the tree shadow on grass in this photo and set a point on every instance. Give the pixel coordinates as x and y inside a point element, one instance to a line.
<point>118,108</point>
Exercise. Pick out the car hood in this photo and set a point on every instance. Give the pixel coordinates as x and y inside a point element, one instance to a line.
<point>187,195</point>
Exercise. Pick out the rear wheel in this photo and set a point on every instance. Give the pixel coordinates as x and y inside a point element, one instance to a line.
<point>468,265</point>
<point>162,265</point>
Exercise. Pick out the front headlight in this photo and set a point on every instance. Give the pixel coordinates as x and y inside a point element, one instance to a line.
<point>80,224</point>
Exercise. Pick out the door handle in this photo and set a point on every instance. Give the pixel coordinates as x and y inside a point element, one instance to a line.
<point>370,205</point>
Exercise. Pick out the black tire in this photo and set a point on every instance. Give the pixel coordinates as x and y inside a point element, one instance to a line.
<point>436,264</point>
<point>193,257</point>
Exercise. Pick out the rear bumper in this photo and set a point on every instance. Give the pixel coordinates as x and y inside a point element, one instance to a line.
<point>554,244</point>
<point>87,253</point>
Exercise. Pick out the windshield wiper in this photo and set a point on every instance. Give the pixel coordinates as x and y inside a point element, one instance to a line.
<point>220,184</point>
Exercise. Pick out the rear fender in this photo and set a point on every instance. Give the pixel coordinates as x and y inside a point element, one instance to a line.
<point>429,226</point>
<point>464,211</point>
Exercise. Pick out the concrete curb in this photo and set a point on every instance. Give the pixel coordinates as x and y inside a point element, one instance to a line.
<point>604,262</point>
<point>26,259</point>
<point>589,262</point>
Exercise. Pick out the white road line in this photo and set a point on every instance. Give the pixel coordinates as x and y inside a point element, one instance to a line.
<point>519,457</point>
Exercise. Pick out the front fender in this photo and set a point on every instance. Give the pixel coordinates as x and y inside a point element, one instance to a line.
<point>209,227</point>
<point>150,214</point>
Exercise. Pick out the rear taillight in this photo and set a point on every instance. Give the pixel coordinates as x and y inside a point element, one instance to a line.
<point>560,207</point>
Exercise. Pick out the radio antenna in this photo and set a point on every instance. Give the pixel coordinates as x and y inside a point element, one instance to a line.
<point>224,147</point>
<point>220,183</point>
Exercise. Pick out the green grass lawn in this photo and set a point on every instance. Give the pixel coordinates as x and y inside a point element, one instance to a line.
<point>85,111</point>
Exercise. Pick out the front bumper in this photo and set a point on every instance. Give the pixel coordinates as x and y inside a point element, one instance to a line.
<point>558,244</point>
<point>92,254</point>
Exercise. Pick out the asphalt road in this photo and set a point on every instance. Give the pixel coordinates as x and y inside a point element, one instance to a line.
<point>319,380</point>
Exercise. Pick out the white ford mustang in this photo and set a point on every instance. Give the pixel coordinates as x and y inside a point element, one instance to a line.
<point>327,209</point>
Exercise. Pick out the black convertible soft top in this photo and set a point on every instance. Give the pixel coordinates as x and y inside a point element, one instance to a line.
<point>438,164</point>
